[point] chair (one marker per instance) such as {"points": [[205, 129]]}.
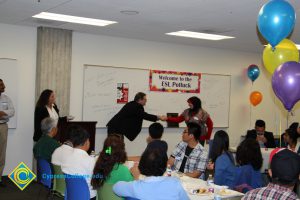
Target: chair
{"points": [[131, 198], [59, 184], [44, 172], [77, 188], [105, 192]]}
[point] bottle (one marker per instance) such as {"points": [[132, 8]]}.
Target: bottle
{"points": [[93, 154], [169, 170], [210, 180]]}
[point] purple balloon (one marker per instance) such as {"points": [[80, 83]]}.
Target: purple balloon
{"points": [[286, 84]]}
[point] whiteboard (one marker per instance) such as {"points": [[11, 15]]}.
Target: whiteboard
{"points": [[9, 75], [100, 95]]}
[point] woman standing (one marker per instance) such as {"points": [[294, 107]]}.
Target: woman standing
{"points": [[195, 113], [45, 107]]}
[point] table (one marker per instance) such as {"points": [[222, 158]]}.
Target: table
{"points": [[189, 184]]}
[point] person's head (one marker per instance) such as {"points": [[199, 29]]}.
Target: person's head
{"points": [[260, 126], [81, 139], [2, 86], [47, 97], [156, 130], [113, 152], [194, 104], [248, 152], [295, 126], [48, 126], [192, 132], [285, 167], [153, 162], [72, 132], [291, 136], [141, 98], [220, 144]]}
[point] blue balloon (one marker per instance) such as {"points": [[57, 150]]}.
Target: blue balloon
{"points": [[276, 20], [253, 72]]}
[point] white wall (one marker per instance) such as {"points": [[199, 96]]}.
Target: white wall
{"points": [[121, 52], [20, 42]]}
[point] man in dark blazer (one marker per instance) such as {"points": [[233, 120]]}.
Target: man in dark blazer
{"points": [[128, 121], [264, 138]]}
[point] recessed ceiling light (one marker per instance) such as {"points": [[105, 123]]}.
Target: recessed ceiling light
{"points": [[198, 35], [297, 45], [73, 19], [129, 12]]}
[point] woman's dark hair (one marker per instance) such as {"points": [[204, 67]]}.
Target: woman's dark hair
{"points": [[113, 152], [197, 105], [293, 135], [153, 162], [294, 126], [44, 98], [248, 152], [220, 144]]}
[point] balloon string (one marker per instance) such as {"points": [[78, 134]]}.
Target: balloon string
{"points": [[280, 130]]}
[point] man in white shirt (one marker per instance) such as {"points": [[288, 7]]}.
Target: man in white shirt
{"points": [[6, 111], [79, 162], [64, 151]]}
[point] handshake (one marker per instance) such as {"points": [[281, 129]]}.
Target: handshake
{"points": [[162, 117]]}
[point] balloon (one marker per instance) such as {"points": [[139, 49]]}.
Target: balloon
{"points": [[253, 72], [286, 84], [285, 51], [276, 20], [255, 98]]}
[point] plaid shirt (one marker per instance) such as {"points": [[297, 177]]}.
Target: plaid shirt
{"points": [[272, 191], [197, 160]]}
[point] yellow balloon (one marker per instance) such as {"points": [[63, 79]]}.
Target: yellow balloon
{"points": [[285, 51]]}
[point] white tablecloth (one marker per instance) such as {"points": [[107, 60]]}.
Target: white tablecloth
{"points": [[190, 184]]}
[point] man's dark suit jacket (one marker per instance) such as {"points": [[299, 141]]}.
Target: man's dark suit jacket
{"points": [[128, 121], [268, 135]]}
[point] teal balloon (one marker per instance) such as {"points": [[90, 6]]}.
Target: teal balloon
{"points": [[253, 72], [276, 20]]}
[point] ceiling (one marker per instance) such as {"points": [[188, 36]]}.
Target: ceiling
{"points": [[156, 17]]}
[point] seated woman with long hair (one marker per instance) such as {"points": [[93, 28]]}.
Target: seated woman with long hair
{"points": [[249, 157], [222, 160], [110, 167], [291, 137]]}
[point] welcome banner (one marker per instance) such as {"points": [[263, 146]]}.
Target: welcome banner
{"points": [[170, 81]]}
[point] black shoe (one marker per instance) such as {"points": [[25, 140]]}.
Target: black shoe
{"points": [[2, 184]]}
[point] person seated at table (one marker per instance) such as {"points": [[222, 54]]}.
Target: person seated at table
{"points": [[249, 159], [291, 137], [61, 153], [79, 162], [46, 145], [189, 156], [264, 138], [222, 161], [110, 168], [155, 186], [284, 171], [156, 131]]}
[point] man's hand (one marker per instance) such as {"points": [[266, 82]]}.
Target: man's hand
{"points": [[162, 117], [2, 114], [261, 138]]}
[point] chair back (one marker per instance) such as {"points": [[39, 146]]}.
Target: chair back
{"points": [[59, 184], [77, 188], [131, 198], [44, 172], [105, 192]]}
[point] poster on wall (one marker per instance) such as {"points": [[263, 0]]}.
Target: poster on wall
{"points": [[122, 93], [171, 81]]}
